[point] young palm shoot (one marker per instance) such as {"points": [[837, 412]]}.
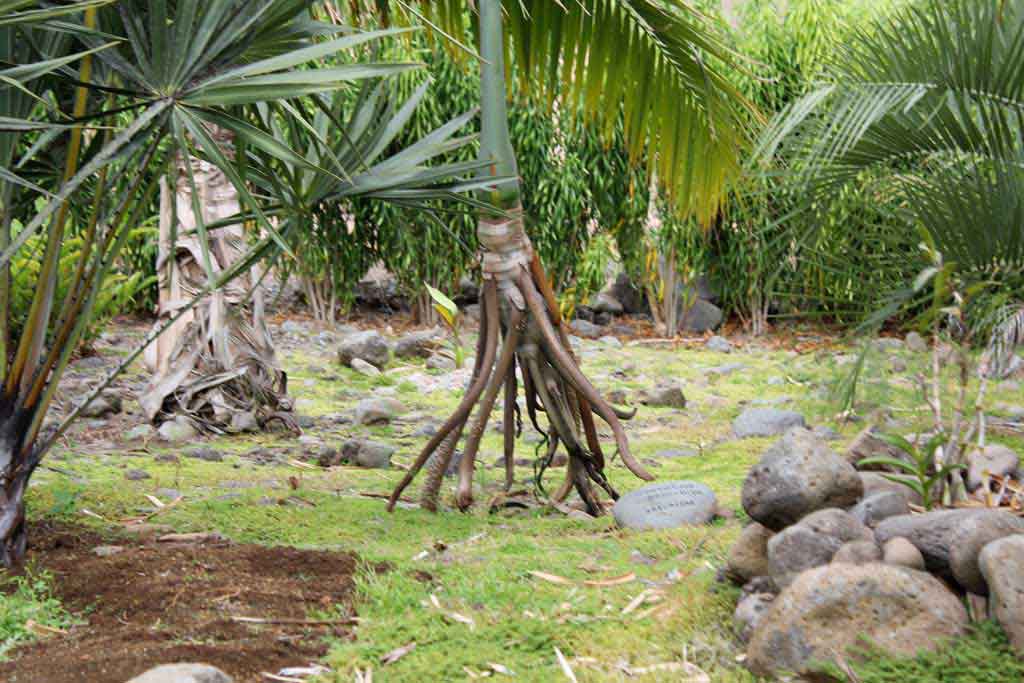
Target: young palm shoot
{"points": [[520, 327]]}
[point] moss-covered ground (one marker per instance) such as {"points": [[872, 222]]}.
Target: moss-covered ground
{"points": [[465, 588]]}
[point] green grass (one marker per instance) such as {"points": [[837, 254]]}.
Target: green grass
{"points": [[461, 585], [27, 607]]}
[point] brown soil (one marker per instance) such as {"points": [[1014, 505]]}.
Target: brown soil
{"points": [[159, 603]]}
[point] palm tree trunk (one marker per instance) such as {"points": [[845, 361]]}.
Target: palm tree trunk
{"points": [[217, 361], [520, 327]]}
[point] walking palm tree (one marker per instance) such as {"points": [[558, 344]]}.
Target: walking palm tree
{"points": [[658, 64]]}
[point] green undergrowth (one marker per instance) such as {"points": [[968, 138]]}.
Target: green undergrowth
{"points": [[486, 592], [28, 609]]}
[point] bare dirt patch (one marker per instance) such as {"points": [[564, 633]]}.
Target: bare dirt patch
{"points": [[157, 603]]}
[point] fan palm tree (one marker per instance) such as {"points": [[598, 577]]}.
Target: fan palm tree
{"points": [[660, 65], [929, 100], [158, 77]]}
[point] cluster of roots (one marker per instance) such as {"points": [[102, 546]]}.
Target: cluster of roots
{"points": [[520, 328]]}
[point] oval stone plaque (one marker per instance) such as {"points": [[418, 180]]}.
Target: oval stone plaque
{"points": [[666, 505]]}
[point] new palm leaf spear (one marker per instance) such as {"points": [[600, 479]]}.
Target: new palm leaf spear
{"points": [[647, 61], [160, 77]]}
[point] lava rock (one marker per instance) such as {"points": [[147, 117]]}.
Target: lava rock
{"points": [[367, 453], [880, 506], [899, 551], [183, 673], [858, 552], [838, 524], [368, 345], [364, 368], [699, 317], [718, 344], [749, 612], [796, 476], [666, 505], [797, 549], [1001, 563], [968, 539], [748, 557], [670, 395], [373, 411], [932, 533], [994, 459], [766, 422], [418, 344], [829, 609]]}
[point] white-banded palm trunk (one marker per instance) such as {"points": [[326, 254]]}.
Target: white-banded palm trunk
{"points": [[216, 364], [520, 327]]}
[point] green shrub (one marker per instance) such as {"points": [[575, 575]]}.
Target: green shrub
{"points": [[27, 600]]}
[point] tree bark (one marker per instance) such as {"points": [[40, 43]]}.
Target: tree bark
{"points": [[216, 364]]}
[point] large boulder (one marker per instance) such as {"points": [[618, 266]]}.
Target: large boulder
{"points": [[700, 316], [880, 506], [858, 552], [632, 298], [877, 483], [605, 302], [933, 532], [183, 673], [827, 610], [967, 541], [369, 345], [900, 551], [1001, 563], [666, 505], [749, 611], [797, 549], [766, 422], [799, 474], [748, 557], [993, 459]]}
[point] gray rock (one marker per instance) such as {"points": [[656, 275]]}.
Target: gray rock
{"points": [[877, 483], [837, 524], [723, 370], [932, 533], [901, 552], [888, 344], [796, 476], [178, 430], [205, 453], [244, 421], [858, 552], [825, 432], [605, 302], [471, 312], [699, 317], [829, 609], [915, 342], [368, 345], [666, 505], [418, 344], [183, 673], [868, 444], [107, 550], [797, 549], [672, 453], [1001, 563], [718, 345], [670, 396], [136, 475], [107, 403], [586, 329], [994, 459], [898, 365], [631, 297], [367, 453], [766, 422], [611, 341], [364, 368], [968, 539], [440, 361], [748, 557], [749, 612], [142, 432], [371, 411], [879, 506]]}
